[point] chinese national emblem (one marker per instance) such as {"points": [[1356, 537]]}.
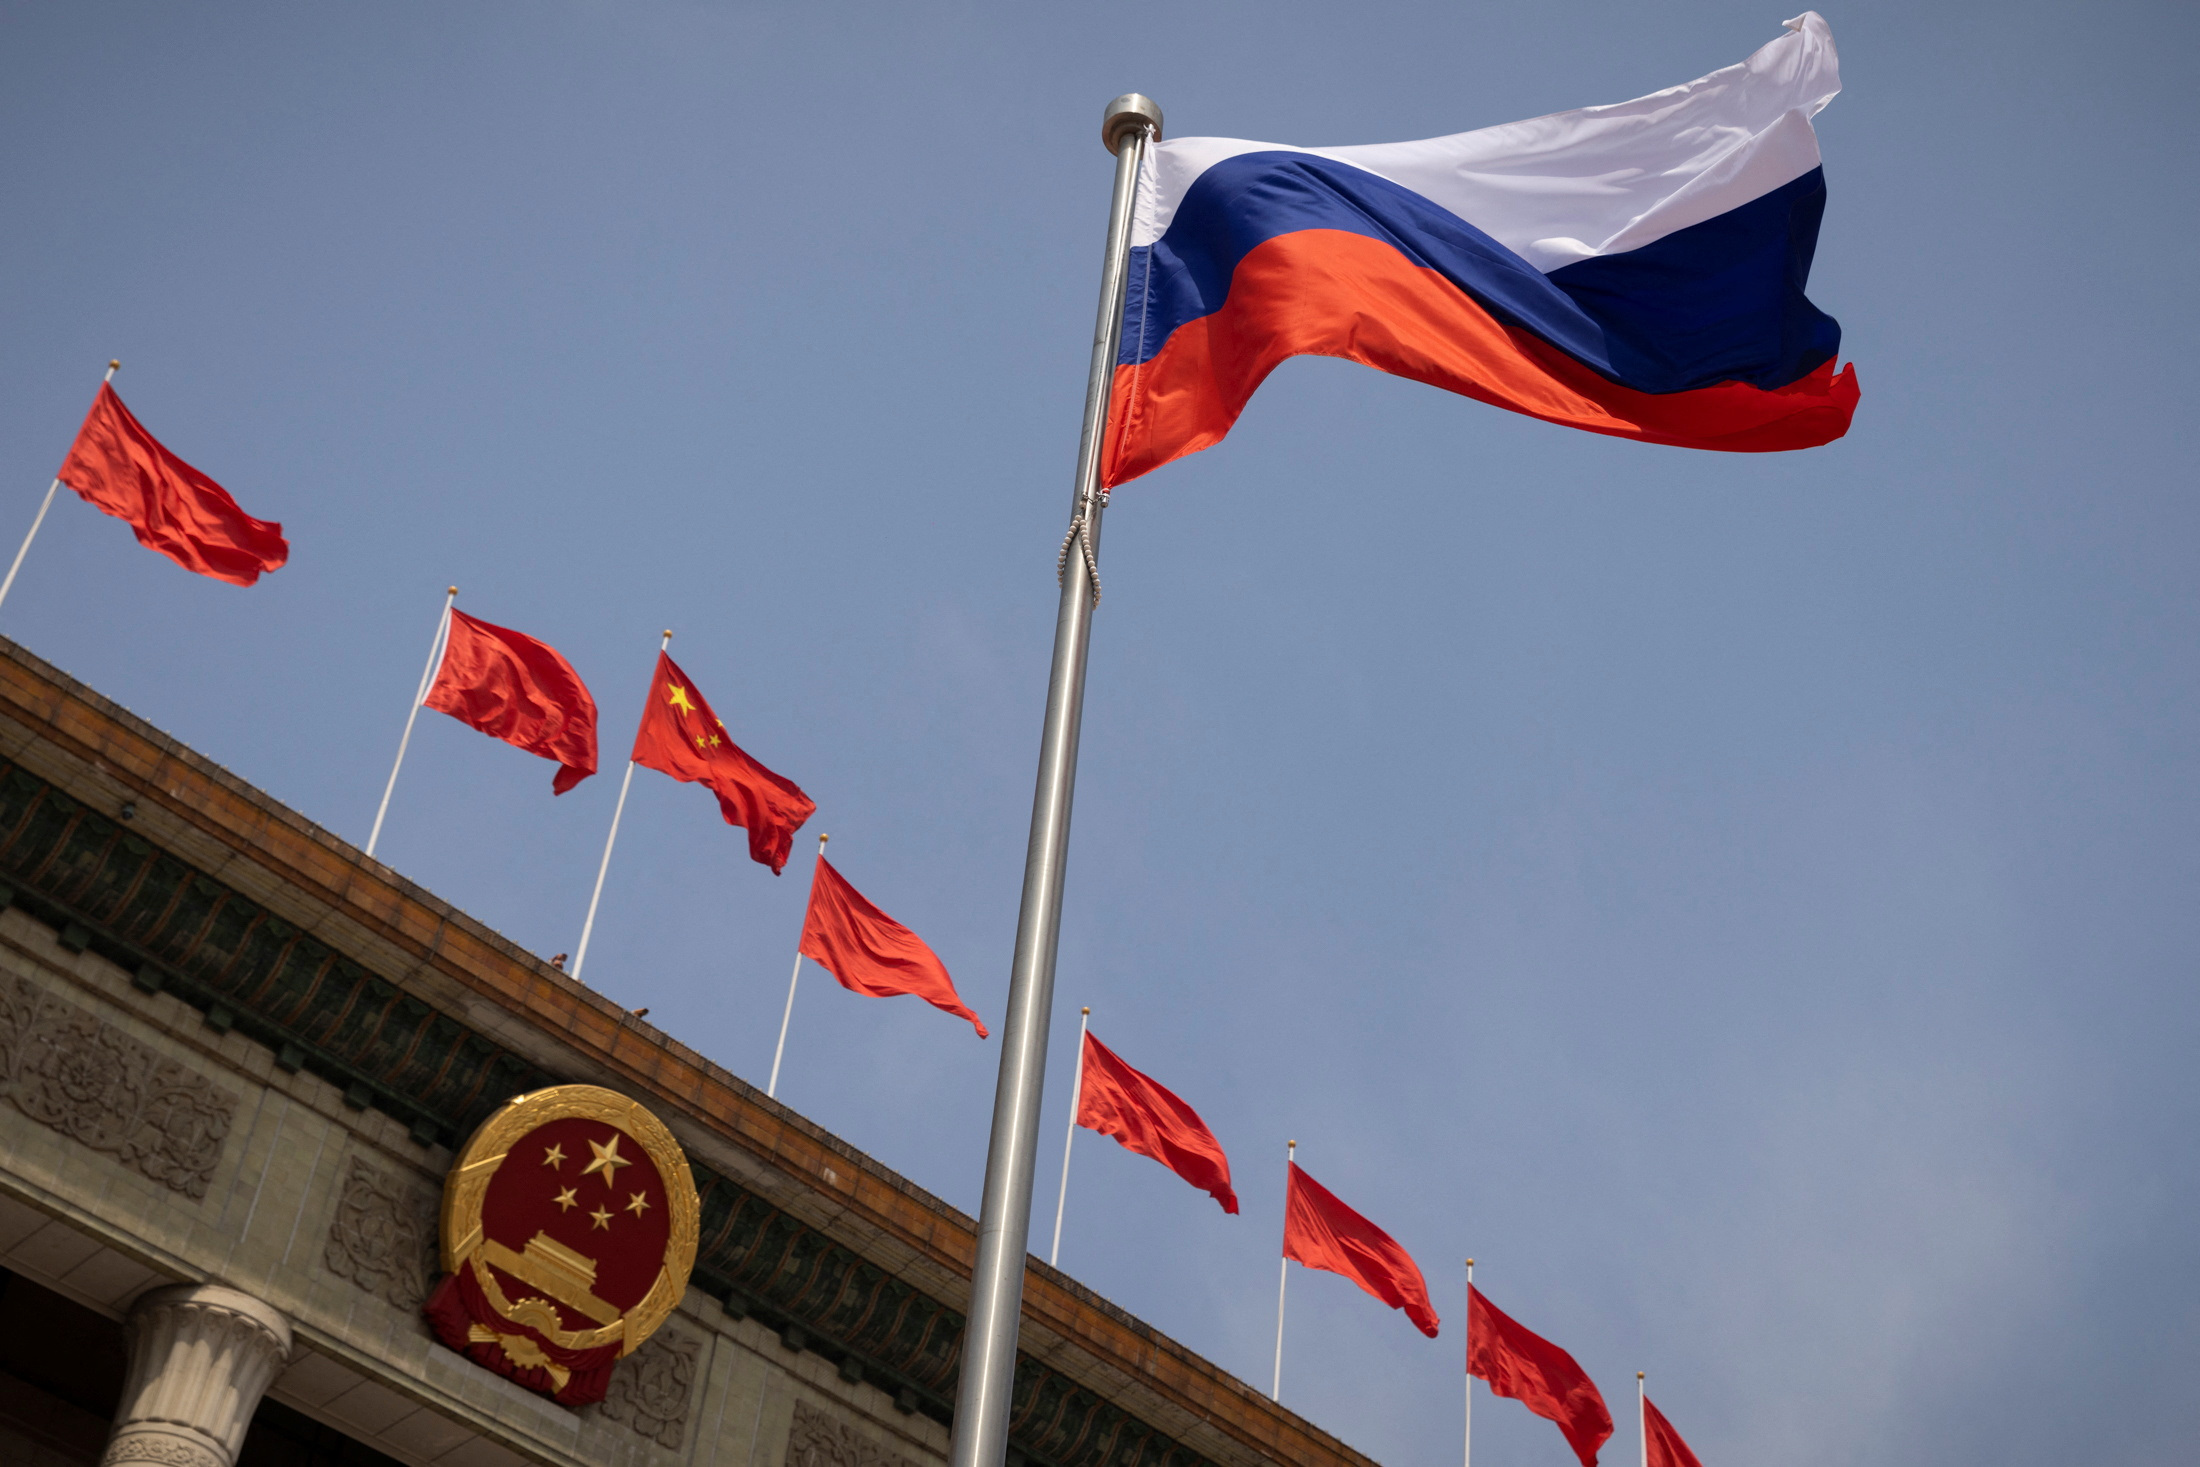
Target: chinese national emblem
{"points": [[569, 1228]]}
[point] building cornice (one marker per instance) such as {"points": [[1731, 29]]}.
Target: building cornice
{"points": [[131, 843]]}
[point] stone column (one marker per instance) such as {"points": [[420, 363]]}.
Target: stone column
{"points": [[200, 1359]]}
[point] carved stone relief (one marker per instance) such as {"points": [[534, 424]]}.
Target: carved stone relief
{"points": [[383, 1235], [652, 1389], [820, 1439], [87, 1079]]}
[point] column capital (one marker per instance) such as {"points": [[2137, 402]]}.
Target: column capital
{"points": [[201, 1356]]}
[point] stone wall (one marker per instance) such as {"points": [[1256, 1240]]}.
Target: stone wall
{"points": [[140, 1146]]}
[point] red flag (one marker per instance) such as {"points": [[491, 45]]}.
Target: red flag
{"points": [[681, 737], [1661, 1444], [517, 689], [1523, 1365], [1321, 1232], [122, 470], [1118, 1101], [871, 953]]}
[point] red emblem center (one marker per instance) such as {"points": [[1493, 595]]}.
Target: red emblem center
{"points": [[576, 1215]]}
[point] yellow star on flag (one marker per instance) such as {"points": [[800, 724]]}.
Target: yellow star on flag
{"points": [[677, 696]]}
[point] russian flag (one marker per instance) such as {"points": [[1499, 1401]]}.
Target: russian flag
{"points": [[1636, 269]]}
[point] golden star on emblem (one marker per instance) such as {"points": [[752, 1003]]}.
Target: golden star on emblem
{"points": [[603, 1219], [677, 696], [608, 1161], [554, 1157], [639, 1205], [565, 1200]]}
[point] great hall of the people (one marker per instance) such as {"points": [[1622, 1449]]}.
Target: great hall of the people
{"points": [[238, 1061]]}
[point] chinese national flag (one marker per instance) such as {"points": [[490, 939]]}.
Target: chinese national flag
{"points": [[869, 952], [517, 689], [1321, 1232], [1147, 1118], [120, 469], [1519, 1363], [1661, 1444], [681, 737]]}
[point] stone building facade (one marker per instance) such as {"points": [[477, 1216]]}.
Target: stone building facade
{"points": [[235, 1056]]}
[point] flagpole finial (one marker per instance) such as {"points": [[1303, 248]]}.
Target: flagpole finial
{"points": [[1131, 112], [453, 590], [1639, 1375], [114, 364], [1086, 1010]]}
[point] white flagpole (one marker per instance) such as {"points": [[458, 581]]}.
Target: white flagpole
{"points": [[1466, 1457], [436, 645], [1076, 1093], [51, 490], [1283, 1272], [580, 954], [771, 1091], [1642, 1417]]}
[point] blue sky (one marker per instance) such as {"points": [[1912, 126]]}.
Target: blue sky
{"points": [[1746, 902]]}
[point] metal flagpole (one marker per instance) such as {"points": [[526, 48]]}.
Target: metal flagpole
{"points": [[1642, 1417], [771, 1091], [436, 644], [1283, 1274], [1004, 1214], [1466, 1457], [1076, 1093], [580, 954], [51, 490]]}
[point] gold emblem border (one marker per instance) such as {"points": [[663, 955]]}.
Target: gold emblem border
{"points": [[485, 1151]]}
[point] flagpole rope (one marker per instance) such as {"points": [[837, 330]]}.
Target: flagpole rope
{"points": [[1082, 541]]}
